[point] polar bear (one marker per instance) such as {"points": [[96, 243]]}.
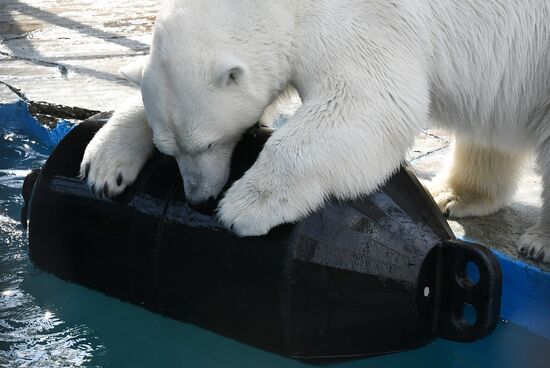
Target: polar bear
{"points": [[370, 74]]}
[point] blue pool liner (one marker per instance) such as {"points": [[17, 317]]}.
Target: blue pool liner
{"points": [[15, 117], [525, 295]]}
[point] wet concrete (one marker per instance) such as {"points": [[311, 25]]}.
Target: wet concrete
{"points": [[67, 53]]}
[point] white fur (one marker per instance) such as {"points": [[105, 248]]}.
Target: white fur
{"points": [[480, 180], [370, 74], [118, 150]]}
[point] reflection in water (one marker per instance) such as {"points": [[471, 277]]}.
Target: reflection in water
{"points": [[17, 151], [31, 334]]}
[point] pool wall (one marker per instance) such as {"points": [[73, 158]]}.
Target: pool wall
{"points": [[525, 295]]}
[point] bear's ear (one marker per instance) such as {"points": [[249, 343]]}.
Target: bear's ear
{"points": [[133, 72], [229, 73]]}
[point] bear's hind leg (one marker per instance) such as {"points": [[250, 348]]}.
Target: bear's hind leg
{"points": [[535, 243], [479, 180]]}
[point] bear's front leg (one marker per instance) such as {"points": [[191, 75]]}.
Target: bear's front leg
{"points": [[325, 150], [118, 151]]}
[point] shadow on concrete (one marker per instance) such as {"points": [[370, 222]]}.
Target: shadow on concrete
{"points": [[501, 230], [52, 18], [35, 57]]}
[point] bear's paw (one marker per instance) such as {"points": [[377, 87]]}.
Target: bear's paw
{"points": [[535, 244], [109, 166]]}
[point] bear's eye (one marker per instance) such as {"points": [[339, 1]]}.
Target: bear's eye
{"points": [[209, 146], [232, 77]]}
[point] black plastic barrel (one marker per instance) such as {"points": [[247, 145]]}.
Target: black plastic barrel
{"points": [[376, 275]]}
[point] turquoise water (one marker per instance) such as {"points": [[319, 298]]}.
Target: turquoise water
{"points": [[47, 322]]}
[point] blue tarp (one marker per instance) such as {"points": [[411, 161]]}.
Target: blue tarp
{"points": [[15, 117]]}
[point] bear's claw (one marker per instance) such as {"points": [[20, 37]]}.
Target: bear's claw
{"points": [[86, 171]]}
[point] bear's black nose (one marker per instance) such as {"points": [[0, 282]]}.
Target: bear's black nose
{"points": [[207, 207]]}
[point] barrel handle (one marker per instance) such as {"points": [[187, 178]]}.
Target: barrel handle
{"points": [[470, 303]]}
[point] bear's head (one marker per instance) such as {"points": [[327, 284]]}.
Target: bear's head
{"points": [[214, 67]]}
